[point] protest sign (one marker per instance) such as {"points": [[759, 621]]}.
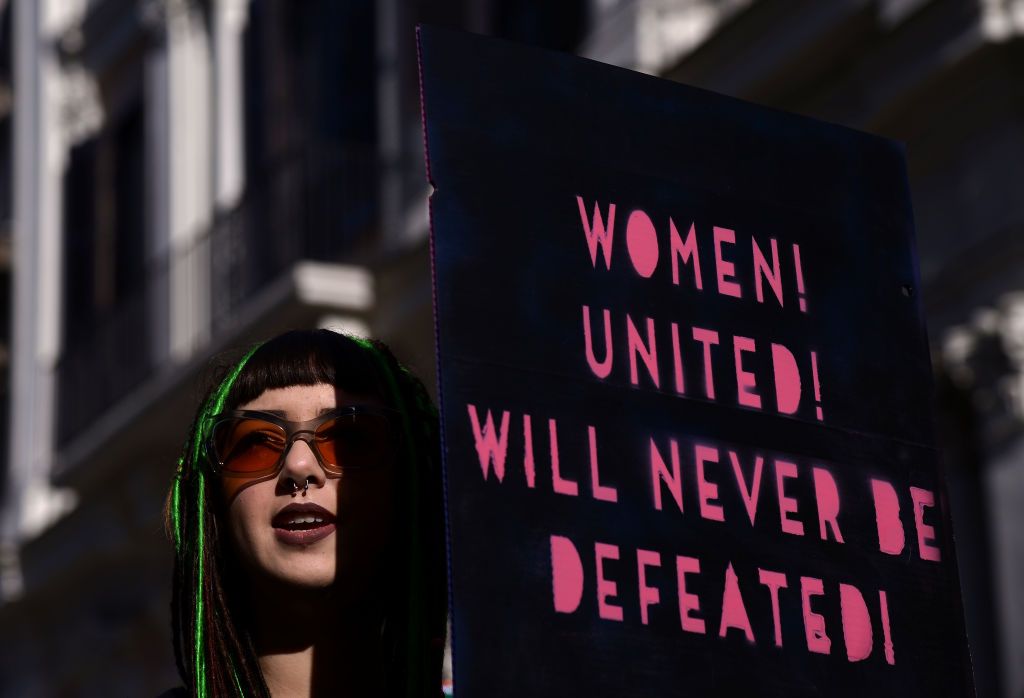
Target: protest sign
{"points": [[685, 392]]}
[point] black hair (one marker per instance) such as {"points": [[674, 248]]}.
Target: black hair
{"points": [[213, 650]]}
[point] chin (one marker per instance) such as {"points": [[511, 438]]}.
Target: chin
{"points": [[304, 567], [310, 581], [313, 576]]}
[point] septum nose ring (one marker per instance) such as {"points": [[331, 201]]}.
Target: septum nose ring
{"points": [[295, 485]]}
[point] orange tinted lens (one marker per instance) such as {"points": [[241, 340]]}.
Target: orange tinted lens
{"points": [[248, 445], [354, 440]]}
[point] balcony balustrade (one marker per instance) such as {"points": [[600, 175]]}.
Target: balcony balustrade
{"points": [[320, 204]]}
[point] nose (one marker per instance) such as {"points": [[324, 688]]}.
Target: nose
{"points": [[300, 466]]}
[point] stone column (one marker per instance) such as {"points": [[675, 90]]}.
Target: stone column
{"points": [[229, 21], [389, 116], [985, 359], [30, 504], [179, 145]]}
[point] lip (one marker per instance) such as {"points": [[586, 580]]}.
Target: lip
{"points": [[305, 536]]}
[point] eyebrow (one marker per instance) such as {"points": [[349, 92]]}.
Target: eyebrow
{"points": [[283, 415]]}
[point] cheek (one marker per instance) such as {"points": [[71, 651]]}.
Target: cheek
{"points": [[371, 503], [245, 514], [370, 527]]}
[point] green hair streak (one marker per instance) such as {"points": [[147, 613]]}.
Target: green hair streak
{"points": [[213, 406], [176, 506]]}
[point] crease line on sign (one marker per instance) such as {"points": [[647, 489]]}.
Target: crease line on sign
{"points": [[445, 504], [423, 108], [695, 399]]}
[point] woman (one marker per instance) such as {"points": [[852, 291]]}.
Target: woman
{"points": [[308, 531]]}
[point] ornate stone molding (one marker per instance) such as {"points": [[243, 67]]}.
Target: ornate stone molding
{"points": [[79, 104], [985, 358], [651, 35], [1002, 20]]}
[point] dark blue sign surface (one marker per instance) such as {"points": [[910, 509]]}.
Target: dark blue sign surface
{"points": [[685, 392]]}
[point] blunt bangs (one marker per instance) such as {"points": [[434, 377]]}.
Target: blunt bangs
{"points": [[308, 357]]}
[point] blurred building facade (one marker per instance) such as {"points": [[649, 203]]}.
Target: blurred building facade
{"points": [[180, 177]]}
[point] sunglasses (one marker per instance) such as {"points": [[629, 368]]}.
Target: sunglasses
{"points": [[253, 444]]}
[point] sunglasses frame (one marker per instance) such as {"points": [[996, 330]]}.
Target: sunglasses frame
{"points": [[294, 431]]}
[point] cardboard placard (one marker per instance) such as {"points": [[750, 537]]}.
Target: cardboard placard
{"points": [[685, 392]]}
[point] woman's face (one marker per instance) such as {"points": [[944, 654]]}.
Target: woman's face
{"points": [[276, 540]]}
